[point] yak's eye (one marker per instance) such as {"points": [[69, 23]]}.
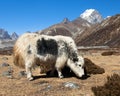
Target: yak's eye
{"points": [[79, 65]]}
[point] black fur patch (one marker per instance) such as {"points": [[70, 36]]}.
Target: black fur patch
{"points": [[75, 59], [47, 47], [73, 56], [29, 52]]}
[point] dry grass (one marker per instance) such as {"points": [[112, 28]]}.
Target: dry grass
{"points": [[53, 86]]}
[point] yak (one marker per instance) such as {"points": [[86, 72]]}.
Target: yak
{"points": [[49, 52]]}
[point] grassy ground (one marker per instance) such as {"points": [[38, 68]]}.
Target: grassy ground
{"points": [[53, 86]]}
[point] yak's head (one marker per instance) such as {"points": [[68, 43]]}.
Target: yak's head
{"points": [[77, 66]]}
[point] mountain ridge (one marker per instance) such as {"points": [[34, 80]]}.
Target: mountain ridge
{"points": [[71, 28], [4, 35], [104, 32], [7, 40]]}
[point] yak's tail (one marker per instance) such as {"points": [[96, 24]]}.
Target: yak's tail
{"points": [[18, 59]]}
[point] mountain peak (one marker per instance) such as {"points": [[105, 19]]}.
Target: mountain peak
{"points": [[65, 20], [92, 16], [14, 36], [4, 34], [87, 12]]}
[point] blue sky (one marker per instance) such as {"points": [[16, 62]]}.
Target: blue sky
{"points": [[32, 15]]}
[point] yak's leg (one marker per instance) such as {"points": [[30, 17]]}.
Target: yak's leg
{"points": [[59, 70], [29, 71], [59, 65]]}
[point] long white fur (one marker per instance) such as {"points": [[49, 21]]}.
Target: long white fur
{"points": [[27, 42]]}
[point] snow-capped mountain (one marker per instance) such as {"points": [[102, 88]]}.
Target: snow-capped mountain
{"points": [[14, 36], [73, 27], [92, 16]]}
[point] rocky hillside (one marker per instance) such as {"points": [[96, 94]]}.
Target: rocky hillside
{"points": [[107, 33], [67, 28], [90, 29], [77, 26]]}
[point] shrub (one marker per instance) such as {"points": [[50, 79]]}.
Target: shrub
{"points": [[91, 68], [108, 53], [110, 88]]}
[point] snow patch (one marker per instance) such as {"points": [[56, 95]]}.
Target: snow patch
{"points": [[92, 16]]}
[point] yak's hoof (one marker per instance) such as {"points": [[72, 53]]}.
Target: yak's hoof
{"points": [[61, 76], [30, 78]]}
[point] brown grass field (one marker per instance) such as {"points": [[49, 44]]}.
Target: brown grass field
{"points": [[53, 86]]}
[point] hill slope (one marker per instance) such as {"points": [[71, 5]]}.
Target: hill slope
{"points": [[106, 33]]}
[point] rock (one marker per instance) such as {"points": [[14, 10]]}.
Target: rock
{"points": [[22, 74], [7, 74], [4, 58], [4, 65], [71, 85], [10, 69], [48, 88]]}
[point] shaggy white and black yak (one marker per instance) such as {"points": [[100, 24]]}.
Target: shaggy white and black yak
{"points": [[49, 52]]}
